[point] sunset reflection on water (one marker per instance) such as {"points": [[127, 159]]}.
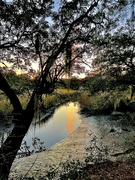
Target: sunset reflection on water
{"points": [[62, 123], [71, 115]]}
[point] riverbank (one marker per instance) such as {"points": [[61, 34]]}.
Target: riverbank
{"points": [[91, 142], [72, 148]]}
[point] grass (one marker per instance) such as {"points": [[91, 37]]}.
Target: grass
{"points": [[65, 91], [49, 100], [24, 98], [5, 105], [104, 101], [95, 104]]}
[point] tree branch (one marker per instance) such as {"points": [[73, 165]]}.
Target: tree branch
{"points": [[52, 58], [4, 86]]}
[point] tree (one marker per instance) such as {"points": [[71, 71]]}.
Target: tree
{"points": [[26, 36], [115, 51]]}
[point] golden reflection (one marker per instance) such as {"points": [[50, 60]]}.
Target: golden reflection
{"points": [[70, 125], [71, 118]]}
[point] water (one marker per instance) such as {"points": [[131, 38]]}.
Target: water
{"points": [[64, 121], [114, 132]]}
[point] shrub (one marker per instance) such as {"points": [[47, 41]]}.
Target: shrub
{"points": [[97, 104]]}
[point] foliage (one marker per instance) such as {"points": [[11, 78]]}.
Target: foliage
{"points": [[104, 102], [32, 31], [116, 54], [75, 83], [26, 151], [99, 83], [84, 99], [97, 153], [21, 21], [97, 104], [23, 99], [60, 84], [127, 120], [5, 106], [74, 169], [49, 100], [68, 170], [20, 83], [66, 91]]}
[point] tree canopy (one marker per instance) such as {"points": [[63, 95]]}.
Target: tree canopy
{"points": [[57, 40], [115, 50], [34, 31]]}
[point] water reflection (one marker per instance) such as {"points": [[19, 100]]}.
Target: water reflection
{"points": [[63, 122], [59, 126], [71, 115]]}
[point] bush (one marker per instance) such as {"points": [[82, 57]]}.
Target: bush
{"points": [[96, 104]]}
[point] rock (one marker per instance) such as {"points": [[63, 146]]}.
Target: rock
{"points": [[125, 129], [112, 130], [117, 113]]}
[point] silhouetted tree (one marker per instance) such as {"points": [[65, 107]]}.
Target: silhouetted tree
{"points": [[115, 50], [31, 31]]}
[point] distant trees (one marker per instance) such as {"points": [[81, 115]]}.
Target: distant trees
{"points": [[19, 83], [32, 31], [115, 55]]}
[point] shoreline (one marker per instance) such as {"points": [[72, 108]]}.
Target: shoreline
{"points": [[91, 141], [71, 148]]}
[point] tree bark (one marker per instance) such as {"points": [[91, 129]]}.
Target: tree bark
{"points": [[4, 86], [10, 147]]}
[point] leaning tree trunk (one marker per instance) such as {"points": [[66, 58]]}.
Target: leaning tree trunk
{"points": [[10, 147], [23, 119]]}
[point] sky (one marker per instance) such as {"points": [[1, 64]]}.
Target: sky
{"points": [[56, 4], [35, 66], [124, 15]]}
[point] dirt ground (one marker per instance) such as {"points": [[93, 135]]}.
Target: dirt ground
{"points": [[111, 171]]}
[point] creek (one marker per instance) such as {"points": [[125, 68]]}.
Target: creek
{"points": [[114, 132], [43, 133], [60, 125]]}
